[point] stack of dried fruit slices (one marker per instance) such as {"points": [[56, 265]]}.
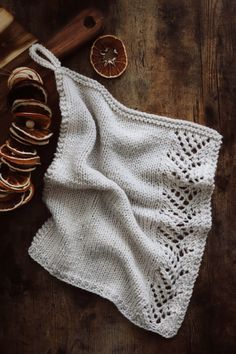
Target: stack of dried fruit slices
{"points": [[27, 99]]}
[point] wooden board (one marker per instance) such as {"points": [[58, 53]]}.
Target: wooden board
{"points": [[182, 64], [15, 41]]}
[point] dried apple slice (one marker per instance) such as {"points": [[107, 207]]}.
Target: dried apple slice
{"points": [[19, 149], [23, 73], [27, 89], [108, 56]]}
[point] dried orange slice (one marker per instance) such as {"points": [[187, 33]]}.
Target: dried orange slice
{"points": [[32, 136], [21, 160], [7, 195], [23, 73], [28, 195], [18, 139], [32, 106], [19, 149], [32, 120], [13, 181], [7, 189], [27, 89], [15, 167], [108, 56], [12, 201], [18, 163]]}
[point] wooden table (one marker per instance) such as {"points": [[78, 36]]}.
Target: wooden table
{"points": [[181, 64]]}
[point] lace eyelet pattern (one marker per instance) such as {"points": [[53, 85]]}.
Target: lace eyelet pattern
{"points": [[130, 199]]}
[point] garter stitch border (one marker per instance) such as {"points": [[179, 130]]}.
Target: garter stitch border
{"points": [[127, 112], [123, 110]]}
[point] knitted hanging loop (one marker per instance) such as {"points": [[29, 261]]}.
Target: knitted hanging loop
{"points": [[130, 201], [48, 60]]}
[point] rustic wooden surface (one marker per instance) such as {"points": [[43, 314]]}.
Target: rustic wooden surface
{"points": [[15, 41], [181, 64]]}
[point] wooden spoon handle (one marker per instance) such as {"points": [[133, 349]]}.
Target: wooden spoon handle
{"points": [[81, 29]]}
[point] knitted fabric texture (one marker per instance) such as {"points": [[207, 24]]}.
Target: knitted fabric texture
{"points": [[130, 200]]}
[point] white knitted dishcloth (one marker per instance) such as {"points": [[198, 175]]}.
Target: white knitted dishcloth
{"points": [[130, 201]]}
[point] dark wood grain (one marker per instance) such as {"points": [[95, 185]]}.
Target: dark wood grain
{"points": [[15, 42], [181, 64], [81, 29]]}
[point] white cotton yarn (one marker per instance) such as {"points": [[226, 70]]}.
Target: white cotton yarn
{"points": [[130, 201]]}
